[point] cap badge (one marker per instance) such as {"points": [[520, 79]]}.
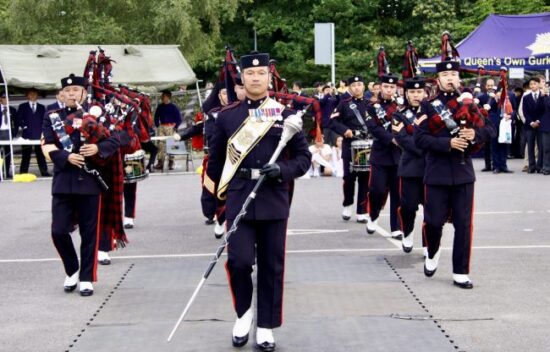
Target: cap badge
{"points": [[356, 79], [255, 62], [449, 65], [416, 85], [69, 81], [390, 80]]}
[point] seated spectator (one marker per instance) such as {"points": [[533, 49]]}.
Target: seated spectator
{"points": [[337, 161], [321, 157]]}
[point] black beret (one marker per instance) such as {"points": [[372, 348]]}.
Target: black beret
{"points": [[254, 60], [73, 80], [415, 83], [389, 78], [447, 66], [356, 78]]}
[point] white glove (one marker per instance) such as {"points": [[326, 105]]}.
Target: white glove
{"points": [[176, 137], [487, 107]]}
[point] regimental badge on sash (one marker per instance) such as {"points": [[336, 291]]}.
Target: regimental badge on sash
{"points": [[252, 130]]}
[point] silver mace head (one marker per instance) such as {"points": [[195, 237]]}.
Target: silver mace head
{"points": [[292, 125]]}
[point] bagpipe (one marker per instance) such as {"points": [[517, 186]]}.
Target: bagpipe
{"points": [[410, 66], [382, 62]]}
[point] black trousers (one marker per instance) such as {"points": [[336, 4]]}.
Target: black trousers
{"points": [[411, 195], [26, 152], [152, 149], [208, 204], [458, 202], [532, 137], [130, 190], [362, 179], [545, 151], [487, 154], [64, 208], [265, 241], [383, 179]]}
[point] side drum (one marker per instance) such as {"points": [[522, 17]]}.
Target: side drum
{"points": [[134, 167], [360, 154]]}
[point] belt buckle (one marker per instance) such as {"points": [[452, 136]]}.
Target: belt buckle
{"points": [[254, 174]]}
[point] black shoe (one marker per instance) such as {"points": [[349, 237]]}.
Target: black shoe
{"points": [[240, 341], [531, 171], [496, 171], [546, 173], [266, 346], [364, 221], [209, 221], [465, 285], [105, 262], [397, 237], [429, 273], [69, 289], [86, 293], [406, 249], [539, 171], [46, 174], [128, 226], [486, 169], [507, 171]]}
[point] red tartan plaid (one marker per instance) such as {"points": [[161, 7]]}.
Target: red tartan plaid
{"points": [[111, 204]]}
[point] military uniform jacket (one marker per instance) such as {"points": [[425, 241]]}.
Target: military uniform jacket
{"points": [[273, 199], [343, 118], [412, 162], [443, 165], [384, 152], [67, 178]]}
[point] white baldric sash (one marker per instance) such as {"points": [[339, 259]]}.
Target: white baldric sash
{"points": [[252, 130]]}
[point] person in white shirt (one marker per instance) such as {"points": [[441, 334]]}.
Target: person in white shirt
{"points": [[337, 161], [321, 156]]}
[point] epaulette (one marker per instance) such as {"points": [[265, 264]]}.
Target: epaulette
{"points": [[347, 99], [230, 106]]}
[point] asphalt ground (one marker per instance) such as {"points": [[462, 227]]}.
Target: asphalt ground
{"points": [[344, 290]]}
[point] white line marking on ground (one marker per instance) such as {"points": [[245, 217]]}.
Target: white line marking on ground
{"points": [[387, 236], [299, 251], [299, 232]]}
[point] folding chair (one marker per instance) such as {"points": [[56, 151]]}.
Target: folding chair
{"points": [[174, 148]]}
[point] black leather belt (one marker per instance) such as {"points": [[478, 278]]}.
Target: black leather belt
{"points": [[248, 174]]}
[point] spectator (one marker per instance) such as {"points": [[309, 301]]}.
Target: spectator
{"points": [[328, 103], [488, 97], [532, 113], [518, 142], [30, 115], [319, 88], [167, 120], [321, 157], [297, 89], [342, 87], [368, 93], [499, 150], [337, 161], [375, 92], [545, 129], [59, 103], [5, 127]]}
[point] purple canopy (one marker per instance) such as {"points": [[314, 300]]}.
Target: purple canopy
{"points": [[505, 40]]}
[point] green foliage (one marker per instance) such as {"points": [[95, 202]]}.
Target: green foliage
{"points": [[284, 28]]}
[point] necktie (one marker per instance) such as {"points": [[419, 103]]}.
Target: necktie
{"points": [[4, 116], [536, 96], [33, 107]]}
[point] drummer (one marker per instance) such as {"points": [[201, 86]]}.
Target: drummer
{"points": [[349, 121]]}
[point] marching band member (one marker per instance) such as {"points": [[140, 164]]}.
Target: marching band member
{"points": [[384, 157], [349, 121], [245, 137], [75, 193], [449, 136], [412, 163]]}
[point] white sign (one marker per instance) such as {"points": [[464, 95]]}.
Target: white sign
{"points": [[516, 72], [323, 43]]}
